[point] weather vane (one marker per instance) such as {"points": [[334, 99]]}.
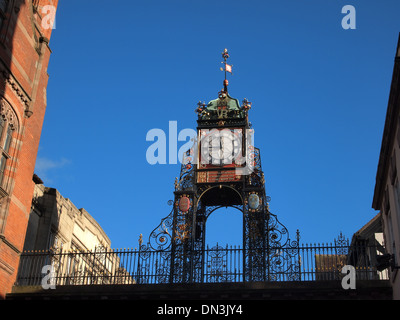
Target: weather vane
{"points": [[228, 68]]}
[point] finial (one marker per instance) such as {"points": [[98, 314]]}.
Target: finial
{"points": [[228, 68], [200, 107], [246, 104], [140, 240], [225, 54]]}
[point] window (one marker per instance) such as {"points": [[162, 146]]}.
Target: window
{"points": [[5, 146], [7, 128], [391, 242], [3, 10], [3, 5], [55, 241], [5, 140]]}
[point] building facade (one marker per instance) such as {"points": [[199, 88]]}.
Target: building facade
{"points": [[75, 246], [367, 244], [25, 29], [56, 223], [386, 197]]}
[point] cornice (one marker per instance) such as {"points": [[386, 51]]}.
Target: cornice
{"points": [[388, 138]]}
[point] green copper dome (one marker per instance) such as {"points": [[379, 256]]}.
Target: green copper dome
{"points": [[224, 100]]}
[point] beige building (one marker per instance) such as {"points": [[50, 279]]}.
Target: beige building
{"points": [[366, 245], [56, 223], [70, 241], [387, 188]]}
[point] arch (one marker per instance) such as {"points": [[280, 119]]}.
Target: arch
{"points": [[219, 207], [9, 137], [211, 199], [223, 226], [9, 114], [222, 199]]}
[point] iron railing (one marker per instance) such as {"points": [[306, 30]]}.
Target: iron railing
{"points": [[220, 264]]}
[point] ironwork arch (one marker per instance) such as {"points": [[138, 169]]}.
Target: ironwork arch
{"points": [[239, 194], [267, 250], [219, 207]]}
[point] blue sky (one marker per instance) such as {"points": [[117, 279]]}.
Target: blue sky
{"points": [[319, 94]]}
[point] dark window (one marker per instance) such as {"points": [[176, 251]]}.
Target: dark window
{"points": [[3, 161], [7, 139], [5, 142], [3, 10]]}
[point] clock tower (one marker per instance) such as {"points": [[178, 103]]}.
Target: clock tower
{"points": [[223, 168]]}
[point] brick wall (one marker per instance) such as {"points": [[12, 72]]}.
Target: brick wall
{"points": [[24, 57]]}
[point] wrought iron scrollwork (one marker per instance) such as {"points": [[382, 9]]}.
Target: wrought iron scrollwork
{"points": [[341, 244], [186, 178], [216, 265], [283, 253], [161, 237], [163, 268], [255, 178]]}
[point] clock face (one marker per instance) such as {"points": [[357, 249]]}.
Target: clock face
{"points": [[220, 147]]}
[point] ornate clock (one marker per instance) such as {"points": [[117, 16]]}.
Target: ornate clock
{"points": [[223, 170], [220, 153], [220, 147]]}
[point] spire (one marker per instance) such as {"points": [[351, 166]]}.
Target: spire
{"points": [[228, 68]]}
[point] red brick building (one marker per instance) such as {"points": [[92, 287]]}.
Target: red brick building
{"points": [[25, 29]]}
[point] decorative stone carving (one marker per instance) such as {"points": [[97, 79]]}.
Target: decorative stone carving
{"points": [[8, 114], [15, 86]]}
